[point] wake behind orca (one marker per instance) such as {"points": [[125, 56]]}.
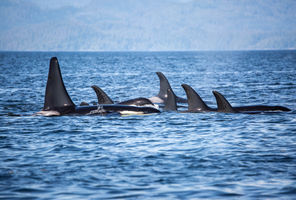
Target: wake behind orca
{"points": [[58, 102]]}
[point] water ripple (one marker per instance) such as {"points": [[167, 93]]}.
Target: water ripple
{"points": [[165, 156]]}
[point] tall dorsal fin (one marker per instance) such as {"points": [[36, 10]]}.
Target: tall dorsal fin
{"points": [[103, 98], [56, 95], [195, 103], [170, 103], [223, 104], [164, 85]]}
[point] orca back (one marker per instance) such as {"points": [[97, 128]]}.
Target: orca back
{"points": [[140, 101], [261, 108]]}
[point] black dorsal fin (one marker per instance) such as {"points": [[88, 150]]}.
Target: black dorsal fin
{"points": [[164, 85], [223, 104], [195, 103], [103, 98], [56, 95], [170, 103]]}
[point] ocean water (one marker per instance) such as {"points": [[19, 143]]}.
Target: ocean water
{"points": [[169, 155]]}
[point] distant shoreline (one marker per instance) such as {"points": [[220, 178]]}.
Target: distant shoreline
{"points": [[140, 51]]}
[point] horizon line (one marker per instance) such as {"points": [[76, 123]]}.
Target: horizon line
{"points": [[98, 51]]}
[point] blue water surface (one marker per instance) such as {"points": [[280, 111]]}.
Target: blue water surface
{"points": [[160, 156]]}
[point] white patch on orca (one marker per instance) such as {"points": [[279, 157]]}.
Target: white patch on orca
{"points": [[127, 112], [48, 113], [156, 99], [147, 105], [152, 106]]}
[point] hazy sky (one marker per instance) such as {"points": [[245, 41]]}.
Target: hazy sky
{"points": [[147, 25]]}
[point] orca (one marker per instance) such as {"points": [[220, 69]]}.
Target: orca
{"points": [[225, 106], [169, 105], [162, 95], [58, 102], [103, 98], [196, 104]]}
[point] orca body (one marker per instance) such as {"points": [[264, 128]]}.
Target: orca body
{"points": [[114, 108], [99, 110], [164, 85], [58, 102], [196, 104], [103, 98], [261, 108], [225, 106], [137, 102]]}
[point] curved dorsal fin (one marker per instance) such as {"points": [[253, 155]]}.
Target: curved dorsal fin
{"points": [[103, 98], [164, 85], [223, 104], [195, 103], [170, 103], [56, 95]]}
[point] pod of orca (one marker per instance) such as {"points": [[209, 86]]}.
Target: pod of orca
{"points": [[58, 102]]}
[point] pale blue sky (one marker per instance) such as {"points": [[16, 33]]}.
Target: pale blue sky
{"points": [[147, 25]]}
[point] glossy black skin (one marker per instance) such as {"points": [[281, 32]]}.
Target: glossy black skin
{"points": [[56, 95], [164, 85], [58, 99], [137, 101], [103, 99], [261, 108], [224, 106], [111, 108], [103, 109], [196, 104]]}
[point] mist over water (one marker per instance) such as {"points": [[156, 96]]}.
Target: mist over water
{"points": [[160, 156], [147, 25]]}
